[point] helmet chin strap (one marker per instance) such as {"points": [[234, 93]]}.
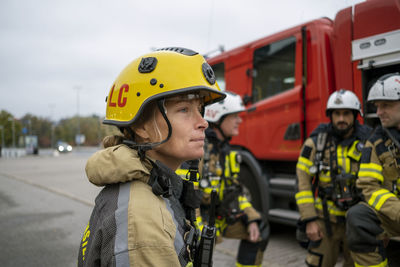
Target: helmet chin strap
{"points": [[218, 126], [142, 148]]}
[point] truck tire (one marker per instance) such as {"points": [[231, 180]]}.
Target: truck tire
{"points": [[250, 187], [254, 180]]}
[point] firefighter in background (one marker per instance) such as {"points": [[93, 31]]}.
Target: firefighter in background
{"points": [[219, 170], [372, 222], [326, 171], [139, 218]]}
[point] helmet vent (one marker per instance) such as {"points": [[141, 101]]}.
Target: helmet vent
{"points": [[183, 51], [208, 73], [147, 64]]}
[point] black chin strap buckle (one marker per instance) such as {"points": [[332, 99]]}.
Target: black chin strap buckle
{"points": [[159, 182]]}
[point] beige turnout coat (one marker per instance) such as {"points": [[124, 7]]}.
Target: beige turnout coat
{"points": [[130, 225]]}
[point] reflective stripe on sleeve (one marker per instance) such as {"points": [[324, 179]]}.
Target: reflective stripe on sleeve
{"points": [[372, 170], [304, 197], [379, 197], [304, 164], [243, 202]]}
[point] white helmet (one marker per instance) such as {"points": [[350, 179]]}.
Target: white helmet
{"points": [[343, 99], [231, 104], [386, 87]]}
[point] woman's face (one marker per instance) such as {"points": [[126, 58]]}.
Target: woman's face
{"points": [[188, 132]]}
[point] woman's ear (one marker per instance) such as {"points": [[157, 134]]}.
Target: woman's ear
{"points": [[142, 132]]}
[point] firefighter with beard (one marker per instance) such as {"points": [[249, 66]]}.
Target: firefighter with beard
{"points": [[219, 170], [372, 222], [326, 173]]}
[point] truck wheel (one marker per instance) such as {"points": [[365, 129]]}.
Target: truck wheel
{"points": [[250, 187]]}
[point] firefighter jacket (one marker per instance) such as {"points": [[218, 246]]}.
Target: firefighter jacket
{"points": [[379, 176], [130, 224], [339, 158], [221, 167]]}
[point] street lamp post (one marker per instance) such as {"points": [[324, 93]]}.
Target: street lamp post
{"points": [[77, 138]]}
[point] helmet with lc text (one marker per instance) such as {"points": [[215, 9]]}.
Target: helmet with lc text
{"points": [[158, 75]]}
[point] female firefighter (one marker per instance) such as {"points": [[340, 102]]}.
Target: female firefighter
{"points": [[219, 169], [139, 218]]}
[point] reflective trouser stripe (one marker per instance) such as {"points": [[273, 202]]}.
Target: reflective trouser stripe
{"points": [[121, 221], [382, 264], [242, 265]]}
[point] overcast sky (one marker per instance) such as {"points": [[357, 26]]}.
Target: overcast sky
{"points": [[53, 52]]}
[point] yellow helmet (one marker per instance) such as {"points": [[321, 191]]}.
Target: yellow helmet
{"points": [[156, 75]]}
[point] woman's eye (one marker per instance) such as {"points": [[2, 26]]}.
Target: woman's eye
{"points": [[183, 109]]}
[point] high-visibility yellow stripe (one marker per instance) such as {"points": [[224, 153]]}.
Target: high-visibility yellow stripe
{"points": [[244, 205], [332, 209], [353, 151], [340, 156], [382, 264], [304, 197], [235, 166], [304, 164], [246, 265], [305, 201], [343, 160], [182, 172], [371, 166], [305, 161], [372, 170], [379, 197], [227, 172], [243, 202], [304, 194], [300, 166], [325, 177]]}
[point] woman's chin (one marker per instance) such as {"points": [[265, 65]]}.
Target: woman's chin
{"points": [[194, 155]]}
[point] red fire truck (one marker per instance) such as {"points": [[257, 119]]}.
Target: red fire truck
{"points": [[285, 80]]}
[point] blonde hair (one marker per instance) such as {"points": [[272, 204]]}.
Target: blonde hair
{"points": [[149, 113]]}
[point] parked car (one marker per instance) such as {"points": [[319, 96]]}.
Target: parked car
{"points": [[63, 147]]}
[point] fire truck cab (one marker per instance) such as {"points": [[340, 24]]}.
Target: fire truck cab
{"points": [[285, 80]]}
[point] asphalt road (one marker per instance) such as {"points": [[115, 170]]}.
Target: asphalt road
{"points": [[45, 204]]}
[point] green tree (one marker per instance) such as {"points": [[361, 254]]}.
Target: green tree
{"points": [[41, 127], [6, 121]]}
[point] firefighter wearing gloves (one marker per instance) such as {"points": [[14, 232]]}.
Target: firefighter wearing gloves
{"points": [[219, 170], [326, 171], [372, 222], [139, 218]]}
